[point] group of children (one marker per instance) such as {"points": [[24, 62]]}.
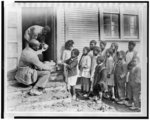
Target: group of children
{"points": [[104, 73]]}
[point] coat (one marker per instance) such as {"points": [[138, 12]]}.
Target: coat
{"points": [[72, 66], [135, 75], [85, 66], [120, 71], [100, 75]]}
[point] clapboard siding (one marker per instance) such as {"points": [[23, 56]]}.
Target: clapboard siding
{"points": [[13, 37], [82, 26]]}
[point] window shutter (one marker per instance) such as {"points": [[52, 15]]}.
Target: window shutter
{"points": [[82, 26]]}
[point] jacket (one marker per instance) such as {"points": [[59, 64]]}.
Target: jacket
{"points": [[72, 66], [100, 74], [135, 75]]}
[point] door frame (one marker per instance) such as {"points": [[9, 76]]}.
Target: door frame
{"points": [[55, 31]]}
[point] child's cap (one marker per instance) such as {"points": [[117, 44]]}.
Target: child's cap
{"points": [[76, 51], [96, 48], [87, 48], [101, 58], [93, 41], [132, 43], [103, 42]]}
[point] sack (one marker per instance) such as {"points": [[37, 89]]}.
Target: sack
{"points": [[26, 75]]}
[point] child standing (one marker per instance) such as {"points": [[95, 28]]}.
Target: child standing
{"points": [[84, 67], [96, 53], [71, 66], [100, 76], [130, 54], [114, 46], [110, 72], [66, 55], [120, 77], [134, 84]]}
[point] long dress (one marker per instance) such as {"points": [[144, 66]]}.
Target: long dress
{"points": [[110, 67]]}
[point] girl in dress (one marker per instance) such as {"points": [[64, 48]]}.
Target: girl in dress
{"points": [[84, 67], [65, 56], [110, 72]]}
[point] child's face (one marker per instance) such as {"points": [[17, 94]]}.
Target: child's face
{"points": [[92, 45], [102, 46], [134, 62], [107, 54], [99, 61], [113, 47], [71, 47], [95, 52], [130, 47], [120, 56], [85, 52], [73, 54]]}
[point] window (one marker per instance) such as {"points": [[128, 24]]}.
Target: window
{"points": [[131, 26], [111, 25]]}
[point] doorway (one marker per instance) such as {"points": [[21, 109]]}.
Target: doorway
{"points": [[42, 16]]}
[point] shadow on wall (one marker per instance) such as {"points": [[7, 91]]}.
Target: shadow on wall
{"points": [[11, 74], [61, 51]]}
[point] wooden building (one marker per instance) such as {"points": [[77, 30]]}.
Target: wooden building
{"points": [[81, 22]]}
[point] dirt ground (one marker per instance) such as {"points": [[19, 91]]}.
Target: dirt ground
{"points": [[56, 99]]}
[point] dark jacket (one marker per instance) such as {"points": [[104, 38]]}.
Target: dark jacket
{"points": [[100, 74], [72, 66]]}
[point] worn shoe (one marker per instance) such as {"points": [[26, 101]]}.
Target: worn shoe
{"points": [[121, 102], [127, 104], [35, 92], [99, 101], [133, 108], [85, 95], [74, 97]]}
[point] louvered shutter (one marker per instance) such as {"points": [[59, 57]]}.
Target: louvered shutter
{"points": [[82, 26]]}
